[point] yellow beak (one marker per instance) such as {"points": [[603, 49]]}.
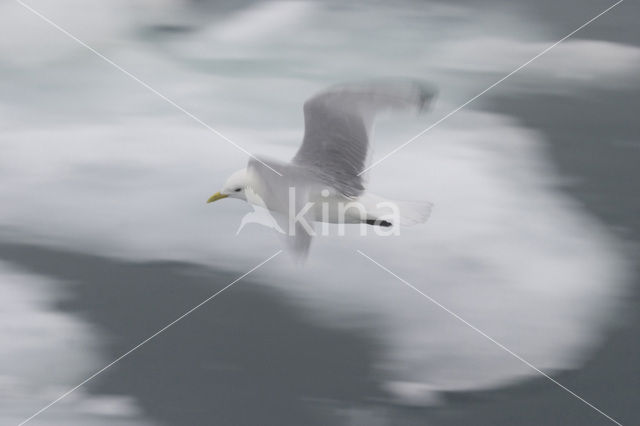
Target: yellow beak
{"points": [[215, 197]]}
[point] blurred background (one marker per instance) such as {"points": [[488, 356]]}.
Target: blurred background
{"points": [[105, 236]]}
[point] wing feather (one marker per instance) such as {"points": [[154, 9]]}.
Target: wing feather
{"points": [[271, 191], [338, 124]]}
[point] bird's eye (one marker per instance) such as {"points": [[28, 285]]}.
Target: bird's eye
{"points": [[238, 189]]}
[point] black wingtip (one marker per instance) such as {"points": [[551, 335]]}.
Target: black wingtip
{"points": [[427, 94], [375, 222]]}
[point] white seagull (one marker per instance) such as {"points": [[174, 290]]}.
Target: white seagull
{"points": [[324, 180]]}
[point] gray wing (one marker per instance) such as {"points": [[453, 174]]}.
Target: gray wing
{"points": [[272, 192], [338, 124]]}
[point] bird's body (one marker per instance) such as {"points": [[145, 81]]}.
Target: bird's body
{"points": [[328, 207], [368, 208], [324, 181], [331, 206]]}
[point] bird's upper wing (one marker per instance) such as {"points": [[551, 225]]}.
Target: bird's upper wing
{"points": [[338, 125]]}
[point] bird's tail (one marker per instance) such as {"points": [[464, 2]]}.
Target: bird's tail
{"points": [[392, 212], [414, 212]]}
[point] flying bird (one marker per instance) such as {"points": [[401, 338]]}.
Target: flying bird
{"points": [[324, 182]]}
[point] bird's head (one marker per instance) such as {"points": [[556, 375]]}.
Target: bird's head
{"points": [[234, 187]]}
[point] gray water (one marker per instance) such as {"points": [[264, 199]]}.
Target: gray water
{"points": [[106, 237]]}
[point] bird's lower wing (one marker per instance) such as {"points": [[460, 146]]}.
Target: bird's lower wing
{"points": [[285, 195]]}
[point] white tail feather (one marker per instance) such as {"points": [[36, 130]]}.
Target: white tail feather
{"points": [[414, 212]]}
